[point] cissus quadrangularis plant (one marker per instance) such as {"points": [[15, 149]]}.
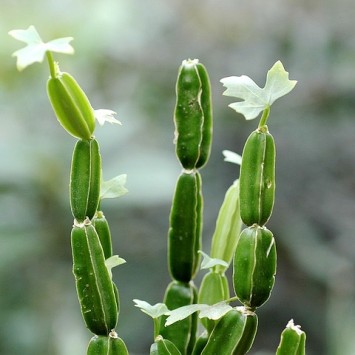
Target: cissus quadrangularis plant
{"points": [[91, 246], [226, 329], [250, 200]]}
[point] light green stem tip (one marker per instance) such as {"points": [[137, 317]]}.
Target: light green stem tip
{"points": [[53, 66], [264, 117], [156, 326]]}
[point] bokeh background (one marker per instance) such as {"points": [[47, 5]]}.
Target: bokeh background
{"points": [[127, 56]]}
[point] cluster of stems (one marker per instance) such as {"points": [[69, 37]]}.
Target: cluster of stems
{"points": [[90, 237], [250, 201], [193, 138], [227, 330]]}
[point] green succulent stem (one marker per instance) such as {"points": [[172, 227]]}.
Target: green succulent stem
{"points": [[264, 117], [52, 66], [156, 326], [232, 299]]}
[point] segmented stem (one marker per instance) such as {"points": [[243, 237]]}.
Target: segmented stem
{"points": [[52, 66], [264, 117]]}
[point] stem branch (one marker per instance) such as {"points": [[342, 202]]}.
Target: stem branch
{"points": [[232, 299], [156, 327], [52, 66], [264, 117]]}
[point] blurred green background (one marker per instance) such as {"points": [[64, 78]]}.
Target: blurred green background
{"points": [[127, 56]]}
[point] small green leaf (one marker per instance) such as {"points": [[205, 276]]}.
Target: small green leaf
{"points": [[215, 311], [154, 311], [60, 45], [183, 312], [208, 262], [36, 49], [277, 83], [112, 262], [232, 157], [29, 36], [104, 115], [114, 188], [256, 99]]}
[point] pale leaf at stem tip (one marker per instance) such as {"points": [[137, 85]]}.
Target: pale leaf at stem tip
{"points": [[154, 311], [36, 49], [208, 262], [114, 187], [183, 312], [232, 157], [256, 99], [112, 262], [104, 115], [214, 312]]}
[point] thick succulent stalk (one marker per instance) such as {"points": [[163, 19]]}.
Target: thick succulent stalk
{"points": [[233, 334], [107, 345], [91, 247], [253, 250], [90, 238], [250, 200], [293, 340], [214, 286], [93, 283], [257, 178], [85, 178], [193, 139]]}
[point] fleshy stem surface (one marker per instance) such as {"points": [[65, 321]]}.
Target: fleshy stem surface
{"points": [[52, 65], [264, 117], [156, 327], [231, 299]]}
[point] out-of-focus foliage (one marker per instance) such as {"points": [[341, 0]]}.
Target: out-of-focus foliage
{"points": [[127, 56]]}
